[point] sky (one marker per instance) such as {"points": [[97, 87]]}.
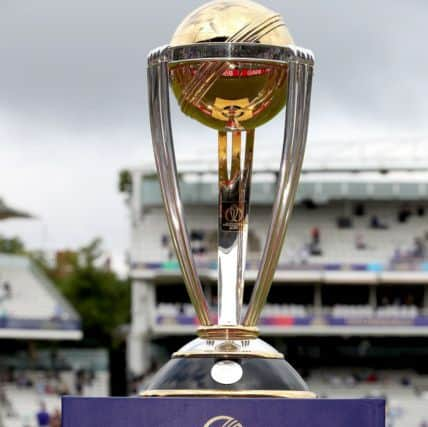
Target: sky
{"points": [[73, 98]]}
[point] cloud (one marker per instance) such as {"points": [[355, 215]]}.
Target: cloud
{"points": [[73, 100], [83, 64]]}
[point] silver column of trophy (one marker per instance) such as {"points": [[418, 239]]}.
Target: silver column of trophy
{"points": [[232, 66]]}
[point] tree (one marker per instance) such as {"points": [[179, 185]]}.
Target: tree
{"points": [[125, 182], [103, 301], [12, 245], [98, 294], [100, 297]]}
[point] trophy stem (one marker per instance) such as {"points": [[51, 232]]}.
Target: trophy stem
{"points": [[233, 207]]}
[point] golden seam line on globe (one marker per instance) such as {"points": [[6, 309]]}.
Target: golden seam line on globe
{"points": [[254, 31], [226, 354], [228, 332], [268, 25], [290, 394]]}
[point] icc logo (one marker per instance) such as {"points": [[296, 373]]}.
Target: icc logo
{"points": [[234, 214], [223, 421]]}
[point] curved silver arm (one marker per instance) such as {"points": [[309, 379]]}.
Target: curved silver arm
{"points": [[296, 128], [160, 122]]}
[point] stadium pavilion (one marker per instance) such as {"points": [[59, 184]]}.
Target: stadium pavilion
{"points": [[32, 314], [30, 306], [351, 288]]}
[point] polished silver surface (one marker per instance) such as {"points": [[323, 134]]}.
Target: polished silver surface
{"points": [[160, 121], [236, 51], [233, 205], [226, 372], [296, 128]]}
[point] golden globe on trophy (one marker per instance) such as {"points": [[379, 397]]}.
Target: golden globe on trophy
{"points": [[232, 66]]}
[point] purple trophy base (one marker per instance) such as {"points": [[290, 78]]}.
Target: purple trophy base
{"points": [[220, 412]]}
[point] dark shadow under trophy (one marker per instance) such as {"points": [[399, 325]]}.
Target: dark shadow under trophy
{"points": [[232, 66]]}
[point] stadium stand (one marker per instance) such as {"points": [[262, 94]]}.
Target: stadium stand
{"points": [[351, 288], [32, 307], [405, 391], [295, 310], [399, 244], [21, 402], [392, 245], [23, 388]]}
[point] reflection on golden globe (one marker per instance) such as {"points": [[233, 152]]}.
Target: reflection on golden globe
{"points": [[231, 94]]}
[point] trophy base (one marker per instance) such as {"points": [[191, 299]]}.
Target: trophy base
{"points": [[249, 368]]}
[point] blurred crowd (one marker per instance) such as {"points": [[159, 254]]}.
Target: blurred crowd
{"points": [[44, 385], [46, 419], [5, 294]]}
